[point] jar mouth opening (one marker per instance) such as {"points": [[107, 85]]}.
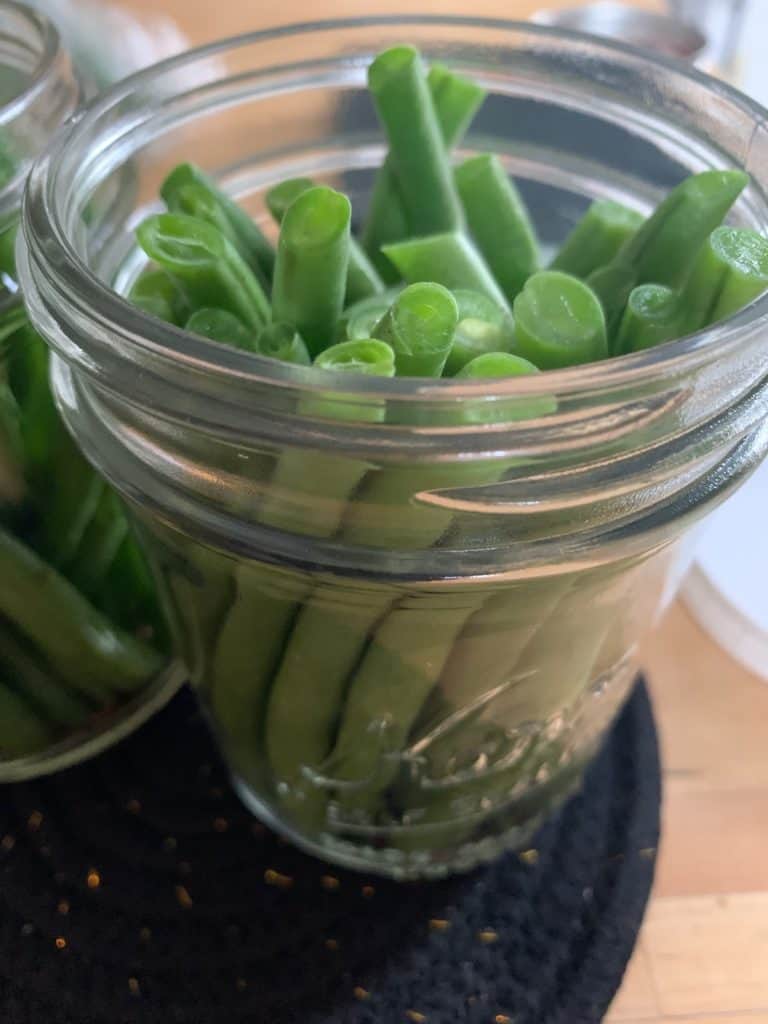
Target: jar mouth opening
{"points": [[38, 39], [174, 348]]}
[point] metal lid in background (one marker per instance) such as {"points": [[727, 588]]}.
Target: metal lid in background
{"points": [[662, 33]]}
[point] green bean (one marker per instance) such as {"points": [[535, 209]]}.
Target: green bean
{"points": [[559, 321], [369, 356], [99, 545], [406, 650], [89, 653], [254, 633], [419, 326], [283, 342], [325, 481], [251, 242], [401, 665], [496, 364], [597, 238], [362, 325], [476, 306], [456, 100], [499, 221], [526, 654], [363, 279], [39, 686], [366, 312], [41, 427], [201, 586], [397, 82], [311, 265], [474, 338], [22, 731], [654, 314], [325, 645], [483, 327], [282, 195], [249, 644], [449, 259], [129, 596], [730, 271], [222, 326], [213, 271], [159, 294], [664, 248], [65, 510]]}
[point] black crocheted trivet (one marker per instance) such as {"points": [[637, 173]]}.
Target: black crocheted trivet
{"points": [[136, 890]]}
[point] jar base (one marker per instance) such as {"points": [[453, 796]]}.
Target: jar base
{"points": [[402, 865]]}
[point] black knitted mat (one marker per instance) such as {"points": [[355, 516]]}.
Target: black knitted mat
{"points": [[136, 890]]}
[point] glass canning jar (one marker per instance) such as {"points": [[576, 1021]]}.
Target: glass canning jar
{"points": [[66, 555], [411, 608]]}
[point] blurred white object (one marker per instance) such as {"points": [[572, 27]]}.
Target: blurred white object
{"points": [[108, 42], [727, 589]]}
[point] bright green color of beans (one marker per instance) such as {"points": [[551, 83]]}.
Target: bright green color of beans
{"points": [[369, 356], [363, 279], [280, 196], [456, 100], [385, 221], [22, 730], [311, 266], [654, 314], [222, 326], [419, 326], [559, 322], [213, 271], [483, 327], [597, 238], [256, 627], [730, 271], [159, 294], [476, 306], [473, 338], [499, 221], [283, 342], [449, 259], [89, 653], [497, 364], [251, 242], [398, 86], [664, 248], [38, 685]]}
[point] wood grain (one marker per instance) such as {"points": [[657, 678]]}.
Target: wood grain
{"points": [[703, 954]]}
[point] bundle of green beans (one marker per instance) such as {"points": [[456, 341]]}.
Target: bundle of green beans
{"points": [[80, 624], [339, 698]]}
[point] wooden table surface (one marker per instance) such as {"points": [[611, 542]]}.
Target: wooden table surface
{"points": [[703, 952]]}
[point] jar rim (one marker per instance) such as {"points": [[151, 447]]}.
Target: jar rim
{"points": [[205, 359], [48, 51]]}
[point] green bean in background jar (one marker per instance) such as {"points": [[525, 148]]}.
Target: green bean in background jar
{"points": [[414, 496], [83, 642]]}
